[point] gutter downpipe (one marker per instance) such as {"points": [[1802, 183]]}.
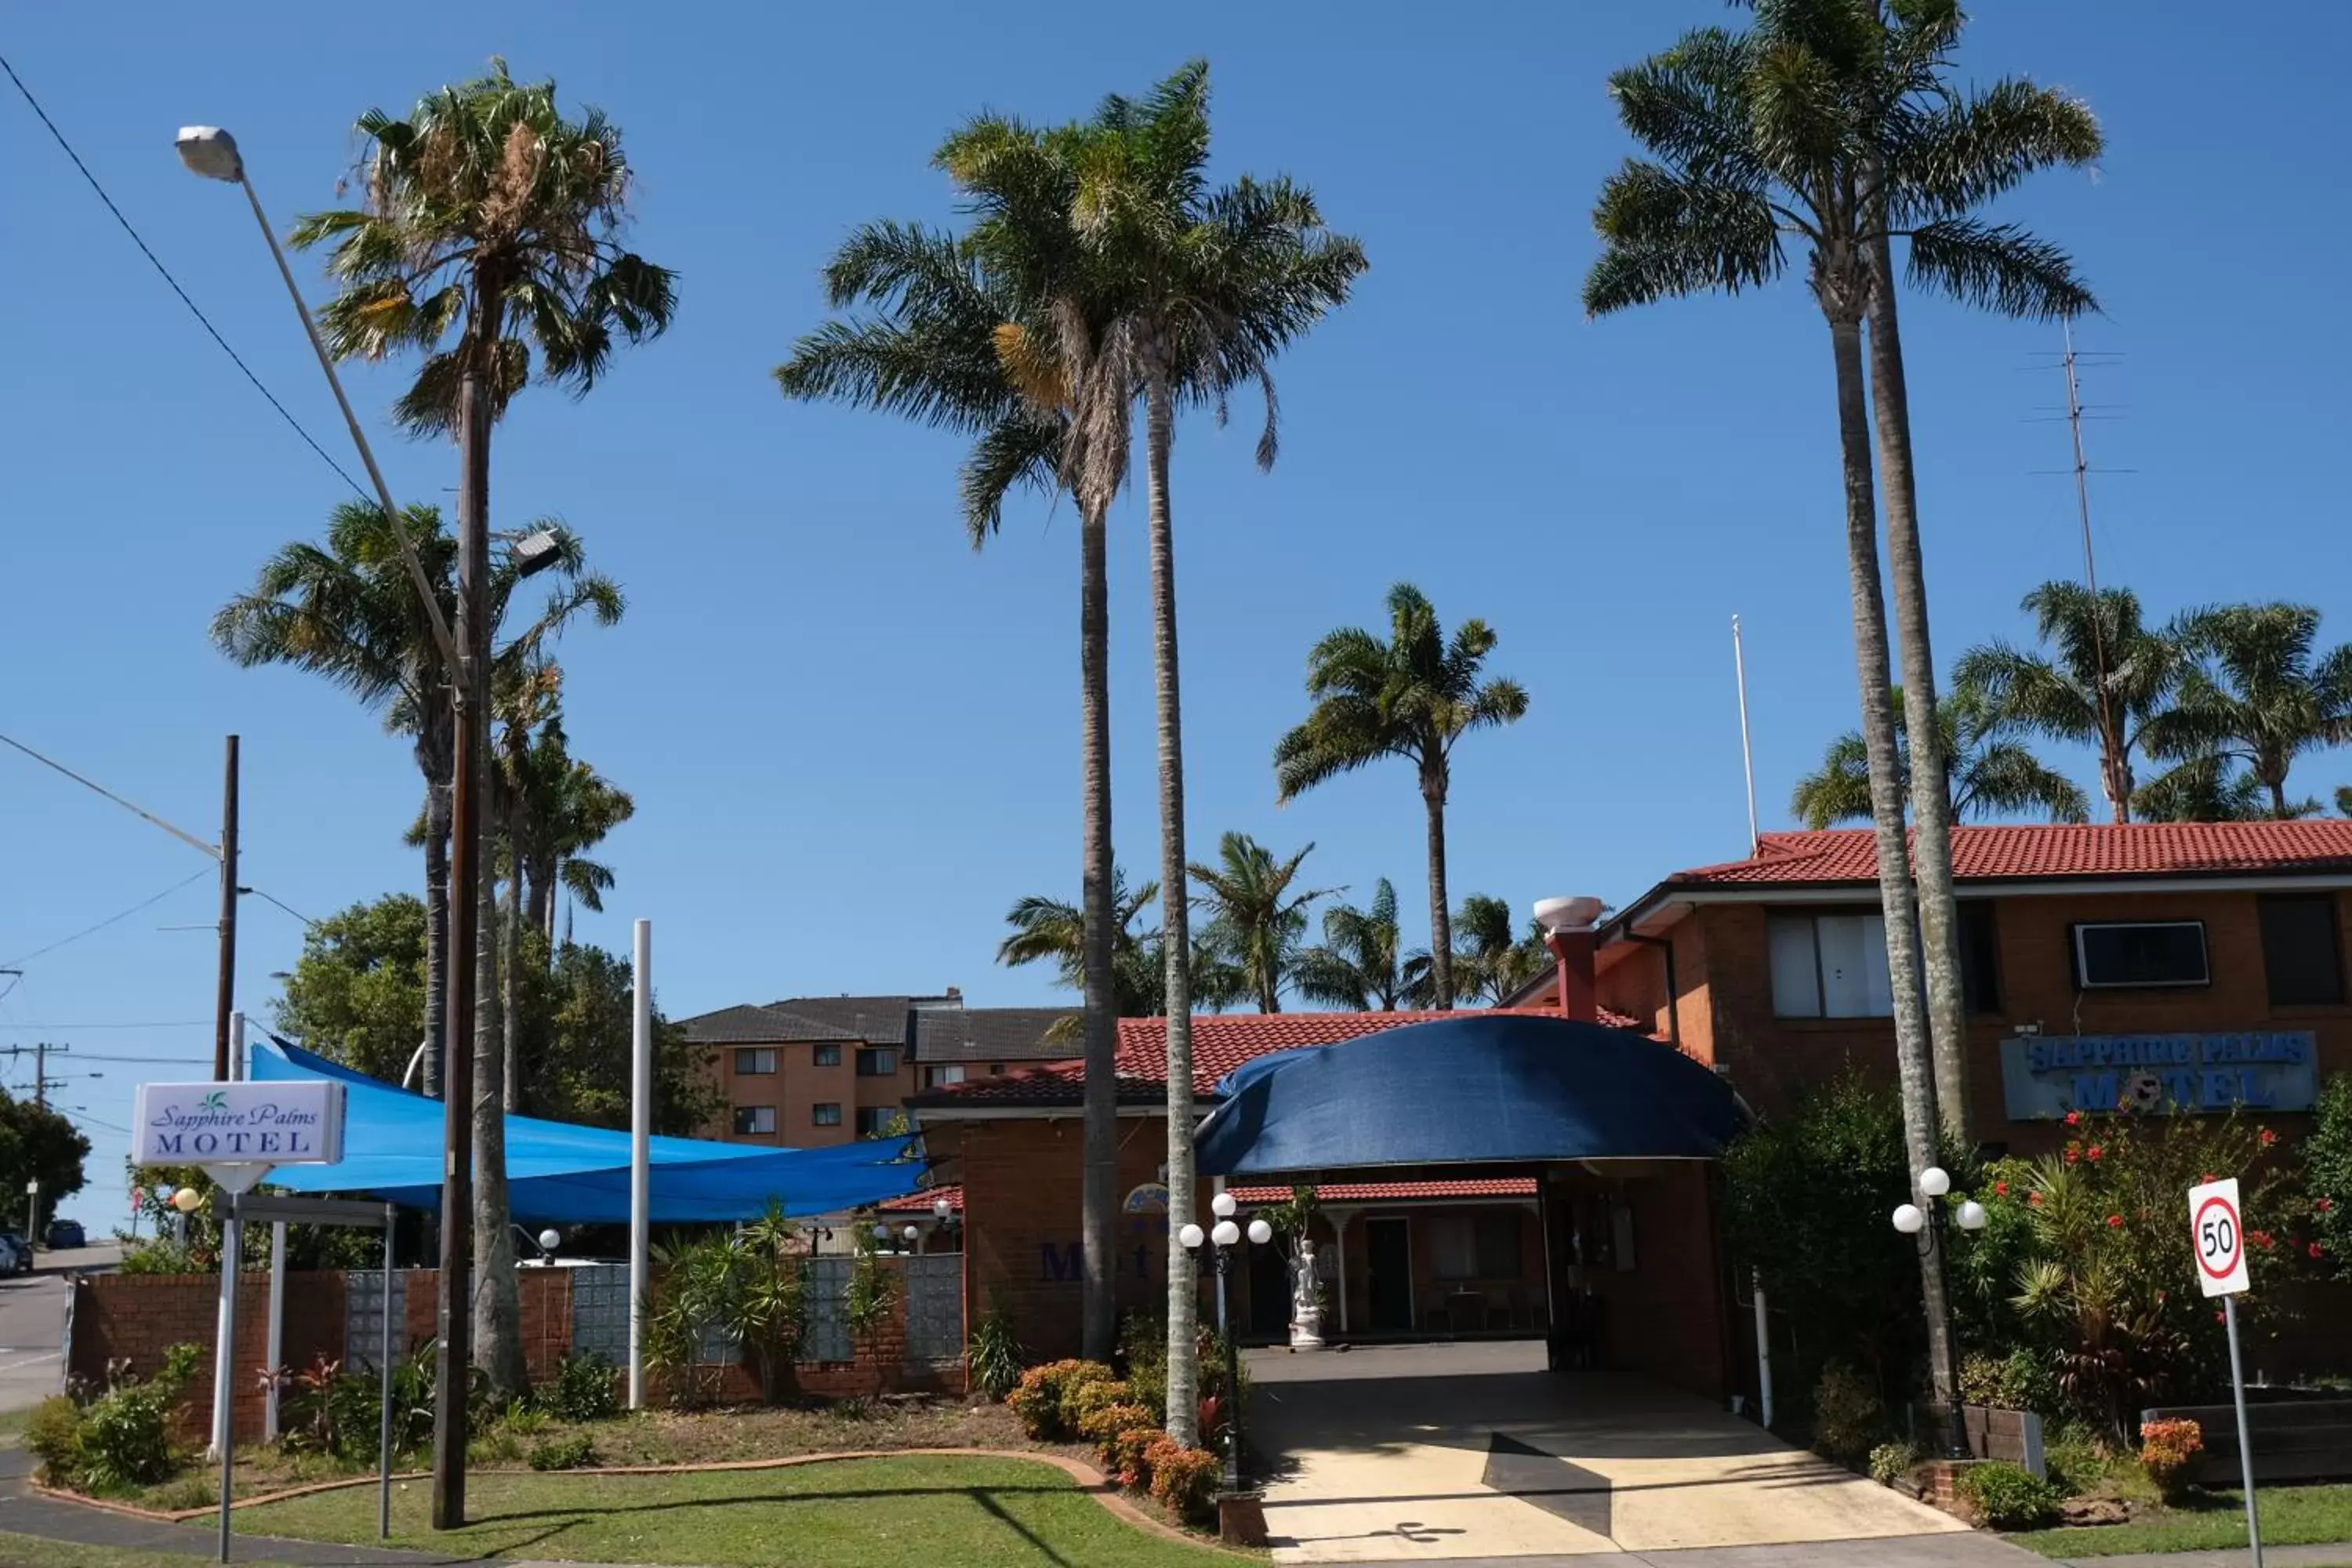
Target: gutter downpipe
{"points": [[1674, 992]]}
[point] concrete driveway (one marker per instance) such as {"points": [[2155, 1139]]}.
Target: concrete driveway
{"points": [[32, 1339], [1472, 1451]]}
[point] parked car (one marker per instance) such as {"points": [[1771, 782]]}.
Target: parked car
{"points": [[15, 1257], [67, 1232]]}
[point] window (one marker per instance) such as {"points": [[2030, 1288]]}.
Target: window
{"points": [[825, 1113], [996, 1069], [2301, 953], [877, 1061], [754, 1119], [753, 1062], [2142, 953], [874, 1120], [1473, 1247], [1829, 966], [827, 1056], [940, 1076], [1979, 956]]}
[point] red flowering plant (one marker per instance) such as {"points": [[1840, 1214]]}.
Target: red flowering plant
{"points": [[2327, 1166], [2092, 1246]]}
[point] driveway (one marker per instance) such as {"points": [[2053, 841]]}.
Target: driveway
{"points": [[32, 1339], [1419, 1453]]}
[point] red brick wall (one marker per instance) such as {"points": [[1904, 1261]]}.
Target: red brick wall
{"points": [[141, 1316], [1666, 1313]]}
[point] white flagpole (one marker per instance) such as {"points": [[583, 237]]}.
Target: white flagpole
{"points": [[1747, 754], [641, 1132]]}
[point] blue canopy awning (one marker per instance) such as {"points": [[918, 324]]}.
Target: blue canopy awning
{"points": [[1483, 1088], [564, 1174]]}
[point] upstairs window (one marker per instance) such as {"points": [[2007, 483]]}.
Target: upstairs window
{"points": [[1829, 966], [2117, 954], [751, 1120], [1979, 956], [752, 1063], [825, 1113], [939, 1075], [826, 1057], [877, 1061], [874, 1120], [2302, 953]]}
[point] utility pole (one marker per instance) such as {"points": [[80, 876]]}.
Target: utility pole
{"points": [[41, 1075], [225, 1001], [2109, 777]]}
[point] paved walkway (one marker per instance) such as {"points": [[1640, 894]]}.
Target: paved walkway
{"points": [[1470, 1452]]}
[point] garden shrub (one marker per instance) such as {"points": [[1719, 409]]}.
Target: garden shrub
{"points": [[53, 1435], [2167, 1450], [2072, 1454], [572, 1453], [1849, 1419], [1143, 1352], [2327, 1168], [1039, 1399], [1103, 1427], [1081, 1399], [1129, 1456], [2019, 1381], [1890, 1462], [1184, 1481], [2009, 1496], [994, 1355], [584, 1389], [125, 1437]]}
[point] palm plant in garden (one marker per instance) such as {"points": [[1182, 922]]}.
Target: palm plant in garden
{"points": [[1360, 964], [1413, 696], [1490, 961], [1052, 931], [2106, 676], [1992, 773], [1256, 919], [488, 243], [1828, 125], [2257, 693]]}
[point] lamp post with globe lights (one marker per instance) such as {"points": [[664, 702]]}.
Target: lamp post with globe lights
{"points": [[1225, 1235], [1930, 1226]]}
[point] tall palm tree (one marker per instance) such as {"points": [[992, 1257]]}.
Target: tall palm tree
{"points": [[1802, 130], [998, 341], [1050, 930], [1989, 774], [1359, 966], [1255, 920], [1413, 696], [489, 218], [1163, 287], [2207, 789], [1489, 960], [2258, 692], [2106, 675]]}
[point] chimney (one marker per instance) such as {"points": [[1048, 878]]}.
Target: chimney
{"points": [[1568, 933], [955, 994]]}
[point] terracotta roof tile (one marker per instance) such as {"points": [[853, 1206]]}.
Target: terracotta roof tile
{"points": [[920, 1203], [1393, 1192], [2002, 853]]}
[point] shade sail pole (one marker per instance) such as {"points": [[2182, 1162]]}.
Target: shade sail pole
{"points": [[641, 1132]]}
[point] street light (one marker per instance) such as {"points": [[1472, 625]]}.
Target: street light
{"points": [[535, 552], [1926, 1224], [1226, 1235]]}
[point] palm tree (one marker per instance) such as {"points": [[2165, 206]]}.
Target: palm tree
{"points": [[1823, 126], [1359, 966], [1050, 930], [1989, 774], [1413, 696], [2106, 676], [489, 216], [1490, 961], [2206, 789], [2257, 693], [1255, 920]]}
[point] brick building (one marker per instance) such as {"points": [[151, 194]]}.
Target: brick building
{"points": [[809, 1071]]}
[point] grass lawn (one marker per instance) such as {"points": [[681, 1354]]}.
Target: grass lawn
{"points": [[911, 1513], [32, 1552], [2291, 1516]]}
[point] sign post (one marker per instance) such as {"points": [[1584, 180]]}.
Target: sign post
{"points": [[2217, 1231]]}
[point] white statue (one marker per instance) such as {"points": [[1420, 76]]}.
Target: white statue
{"points": [[1306, 1301]]}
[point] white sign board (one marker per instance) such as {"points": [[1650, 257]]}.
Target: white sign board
{"points": [[266, 1123], [2217, 1233]]}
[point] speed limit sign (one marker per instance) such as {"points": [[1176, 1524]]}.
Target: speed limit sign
{"points": [[2217, 1233]]}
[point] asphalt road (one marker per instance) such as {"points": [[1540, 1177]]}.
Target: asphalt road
{"points": [[32, 1338]]}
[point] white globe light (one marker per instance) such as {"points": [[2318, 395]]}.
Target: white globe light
{"points": [[1191, 1238], [1226, 1234], [1260, 1233], [881, 1232], [1934, 1182], [1909, 1220], [1222, 1205], [941, 1207], [910, 1233], [550, 1240], [1972, 1216], [187, 1200]]}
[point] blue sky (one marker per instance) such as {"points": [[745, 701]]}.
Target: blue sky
{"points": [[852, 741]]}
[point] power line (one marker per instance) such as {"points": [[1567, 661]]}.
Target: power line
{"points": [[182, 834], [205, 321], [111, 920], [67, 1028]]}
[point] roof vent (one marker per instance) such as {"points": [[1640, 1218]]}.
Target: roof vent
{"points": [[1567, 914]]}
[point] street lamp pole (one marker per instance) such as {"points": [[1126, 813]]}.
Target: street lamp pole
{"points": [[1225, 1235], [1930, 1226]]}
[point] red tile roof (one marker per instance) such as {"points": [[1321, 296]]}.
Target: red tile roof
{"points": [[1395, 1192], [2000, 853], [1221, 1042], [920, 1203]]}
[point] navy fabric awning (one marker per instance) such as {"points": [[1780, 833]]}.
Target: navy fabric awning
{"points": [[1477, 1090], [559, 1173]]}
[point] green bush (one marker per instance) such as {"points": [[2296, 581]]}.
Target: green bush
{"points": [[126, 1435], [1890, 1462], [1849, 1419], [2327, 1164], [1183, 1479], [2009, 1497], [53, 1435], [994, 1355], [2073, 1455], [1081, 1399], [575, 1452], [584, 1389], [1045, 1393], [1103, 1426], [2019, 1381]]}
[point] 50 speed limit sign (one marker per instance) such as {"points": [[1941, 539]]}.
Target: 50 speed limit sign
{"points": [[2217, 1233]]}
